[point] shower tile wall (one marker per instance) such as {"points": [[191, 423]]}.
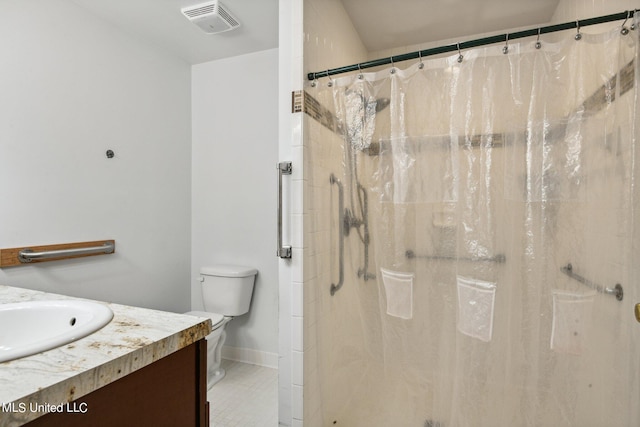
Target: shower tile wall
{"points": [[614, 254], [567, 10], [290, 78], [330, 41]]}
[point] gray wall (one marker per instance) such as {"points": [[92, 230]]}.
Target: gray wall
{"points": [[235, 151], [72, 87]]}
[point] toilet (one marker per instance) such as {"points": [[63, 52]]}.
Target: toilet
{"points": [[226, 292]]}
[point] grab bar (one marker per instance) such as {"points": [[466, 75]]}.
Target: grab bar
{"points": [[284, 168], [364, 272], [616, 290], [28, 255], [336, 287], [500, 258]]}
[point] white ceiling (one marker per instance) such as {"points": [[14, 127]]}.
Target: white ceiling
{"points": [[384, 24], [162, 23], [381, 24]]}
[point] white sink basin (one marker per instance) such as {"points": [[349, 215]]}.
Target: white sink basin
{"points": [[31, 327]]}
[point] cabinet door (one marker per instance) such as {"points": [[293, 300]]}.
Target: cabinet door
{"points": [[170, 392]]}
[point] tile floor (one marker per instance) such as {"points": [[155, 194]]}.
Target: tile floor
{"points": [[246, 397]]}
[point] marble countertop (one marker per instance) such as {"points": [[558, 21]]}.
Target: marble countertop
{"points": [[135, 338]]}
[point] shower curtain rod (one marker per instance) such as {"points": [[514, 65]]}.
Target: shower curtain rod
{"points": [[475, 43]]}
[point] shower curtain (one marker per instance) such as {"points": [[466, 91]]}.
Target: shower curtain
{"points": [[500, 198]]}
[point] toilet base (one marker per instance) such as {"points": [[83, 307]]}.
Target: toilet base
{"points": [[215, 341], [214, 377]]}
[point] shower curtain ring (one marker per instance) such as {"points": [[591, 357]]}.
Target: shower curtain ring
{"points": [[330, 84], [460, 57], [505, 49], [314, 82], [360, 76], [624, 30], [538, 44], [578, 36], [393, 67], [421, 65]]}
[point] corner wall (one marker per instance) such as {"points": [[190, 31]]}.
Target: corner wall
{"points": [[569, 10], [235, 143]]}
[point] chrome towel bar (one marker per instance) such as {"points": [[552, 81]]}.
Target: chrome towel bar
{"points": [[616, 290], [25, 255], [284, 168], [28, 255]]}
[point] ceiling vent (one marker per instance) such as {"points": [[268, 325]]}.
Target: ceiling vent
{"points": [[212, 17]]}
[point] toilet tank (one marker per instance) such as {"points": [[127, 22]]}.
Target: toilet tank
{"points": [[227, 289]]}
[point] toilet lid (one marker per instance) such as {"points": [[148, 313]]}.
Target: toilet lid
{"points": [[215, 317]]}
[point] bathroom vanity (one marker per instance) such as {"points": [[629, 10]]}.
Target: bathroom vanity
{"points": [[146, 367]]}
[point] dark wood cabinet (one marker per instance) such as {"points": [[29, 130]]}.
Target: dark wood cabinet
{"points": [[170, 392]]}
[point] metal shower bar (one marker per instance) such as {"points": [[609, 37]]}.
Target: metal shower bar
{"points": [[616, 290], [284, 168], [500, 258], [336, 287], [475, 43]]}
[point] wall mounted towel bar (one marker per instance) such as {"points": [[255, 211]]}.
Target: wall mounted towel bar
{"points": [[284, 168], [19, 256], [616, 290], [500, 258]]}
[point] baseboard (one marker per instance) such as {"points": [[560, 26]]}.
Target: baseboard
{"points": [[247, 355]]}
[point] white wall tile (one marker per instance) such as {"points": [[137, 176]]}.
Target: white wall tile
{"points": [[297, 371], [297, 402], [296, 263], [297, 299], [297, 228], [297, 196], [297, 333]]}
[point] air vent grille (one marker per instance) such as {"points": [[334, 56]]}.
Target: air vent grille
{"points": [[203, 10], [211, 17], [227, 16]]}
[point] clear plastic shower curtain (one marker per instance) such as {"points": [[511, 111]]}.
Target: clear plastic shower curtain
{"points": [[491, 178]]}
